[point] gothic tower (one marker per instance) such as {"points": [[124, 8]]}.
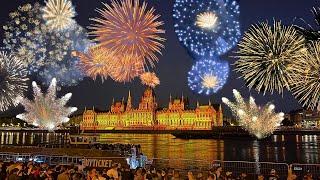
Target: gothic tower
{"points": [[129, 102], [148, 100]]}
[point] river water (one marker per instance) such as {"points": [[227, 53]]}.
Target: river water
{"points": [[289, 149]]}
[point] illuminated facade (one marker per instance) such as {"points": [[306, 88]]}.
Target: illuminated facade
{"points": [[148, 117]]}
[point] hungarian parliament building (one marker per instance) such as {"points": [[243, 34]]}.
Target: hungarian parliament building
{"points": [[122, 116]]}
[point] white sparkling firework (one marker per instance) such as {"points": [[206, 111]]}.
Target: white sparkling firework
{"points": [[207, 20], [58, 14], [13, 80], [45, 110], [258, 121], [209, 81]]}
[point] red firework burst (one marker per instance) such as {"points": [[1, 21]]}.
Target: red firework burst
{"points": [[97, 62], [126, 68], [128, 28], [149, 79]]}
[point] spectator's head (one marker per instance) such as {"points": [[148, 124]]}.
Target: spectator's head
{"points": [[58, 168], [170, 171], [243, 174], [144, 171], [139, 172], [273, 172], [294, 176], [163, 173], [211, 177], [44, 165], [49, 171], [30, 163], [99, 173], [260, 177], [154, 177], [62, 168], [65, 169], [93, 172], [219, 169], [159, 172], [308, 175], [212, 171], [76, 176], [200, 175], [190, 174], [34, 170], [176, 174], [14, 171]]}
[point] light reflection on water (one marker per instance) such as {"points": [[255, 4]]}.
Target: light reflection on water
{"points": [[301, 149]]}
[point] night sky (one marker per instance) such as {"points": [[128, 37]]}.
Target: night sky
{"points": [[175, 62]]}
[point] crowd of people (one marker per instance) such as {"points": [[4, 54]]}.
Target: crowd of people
{"points": [[43, 171]]}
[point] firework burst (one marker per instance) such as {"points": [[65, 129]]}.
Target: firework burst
{"points": [[65, 67], [19, 29], [259, 121], [207, 27], [207, 20], [97, 62], [46, 111], [13, 80], [149, 79], [126, 68], [58, 14], [208, 76], [46, 53], [305, 77], [265, 54], [311, 33], [128, 28]]}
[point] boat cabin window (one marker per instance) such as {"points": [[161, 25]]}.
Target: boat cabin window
{"points": [[72, 139], [79, 139]]}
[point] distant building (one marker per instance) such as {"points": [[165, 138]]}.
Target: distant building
{"points": [[147, 116], [305, 118]]}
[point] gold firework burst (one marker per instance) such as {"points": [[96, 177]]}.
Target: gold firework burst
{"points": [[58, 14], [265, 54], [305, 77]]}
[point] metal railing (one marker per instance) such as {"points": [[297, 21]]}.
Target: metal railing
{"points": [[252, 169]]}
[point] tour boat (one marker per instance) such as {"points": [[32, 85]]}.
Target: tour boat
{"points": [[84, 140]]}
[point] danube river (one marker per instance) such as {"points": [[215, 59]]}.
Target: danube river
{"points": [[289, 149]]}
